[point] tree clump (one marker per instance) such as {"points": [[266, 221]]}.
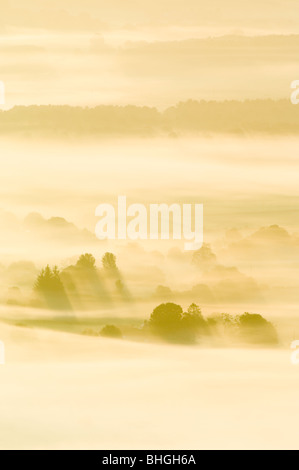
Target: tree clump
{"points": [[171, 323], [86, 261], [109, 262], [50, 289], [111, 331], [257, 330]]}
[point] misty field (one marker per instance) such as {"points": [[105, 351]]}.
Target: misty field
{"points": [[67, 391], [66, 386]]}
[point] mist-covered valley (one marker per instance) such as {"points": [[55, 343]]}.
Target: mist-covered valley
{"points": [[248, 262]]}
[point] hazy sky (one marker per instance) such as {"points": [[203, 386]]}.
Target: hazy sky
{"points": [[93, 52], [95, 16]]}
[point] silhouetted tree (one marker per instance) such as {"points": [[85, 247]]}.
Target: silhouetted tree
{"points": [[111, 331], [169, 322], [256, 329], [50, 287], [86, 261], [109, 262], [193, 318], [165, 320], [193, 324]]}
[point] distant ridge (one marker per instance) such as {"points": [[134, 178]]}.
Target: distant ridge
{"points": [[195, 117]]}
